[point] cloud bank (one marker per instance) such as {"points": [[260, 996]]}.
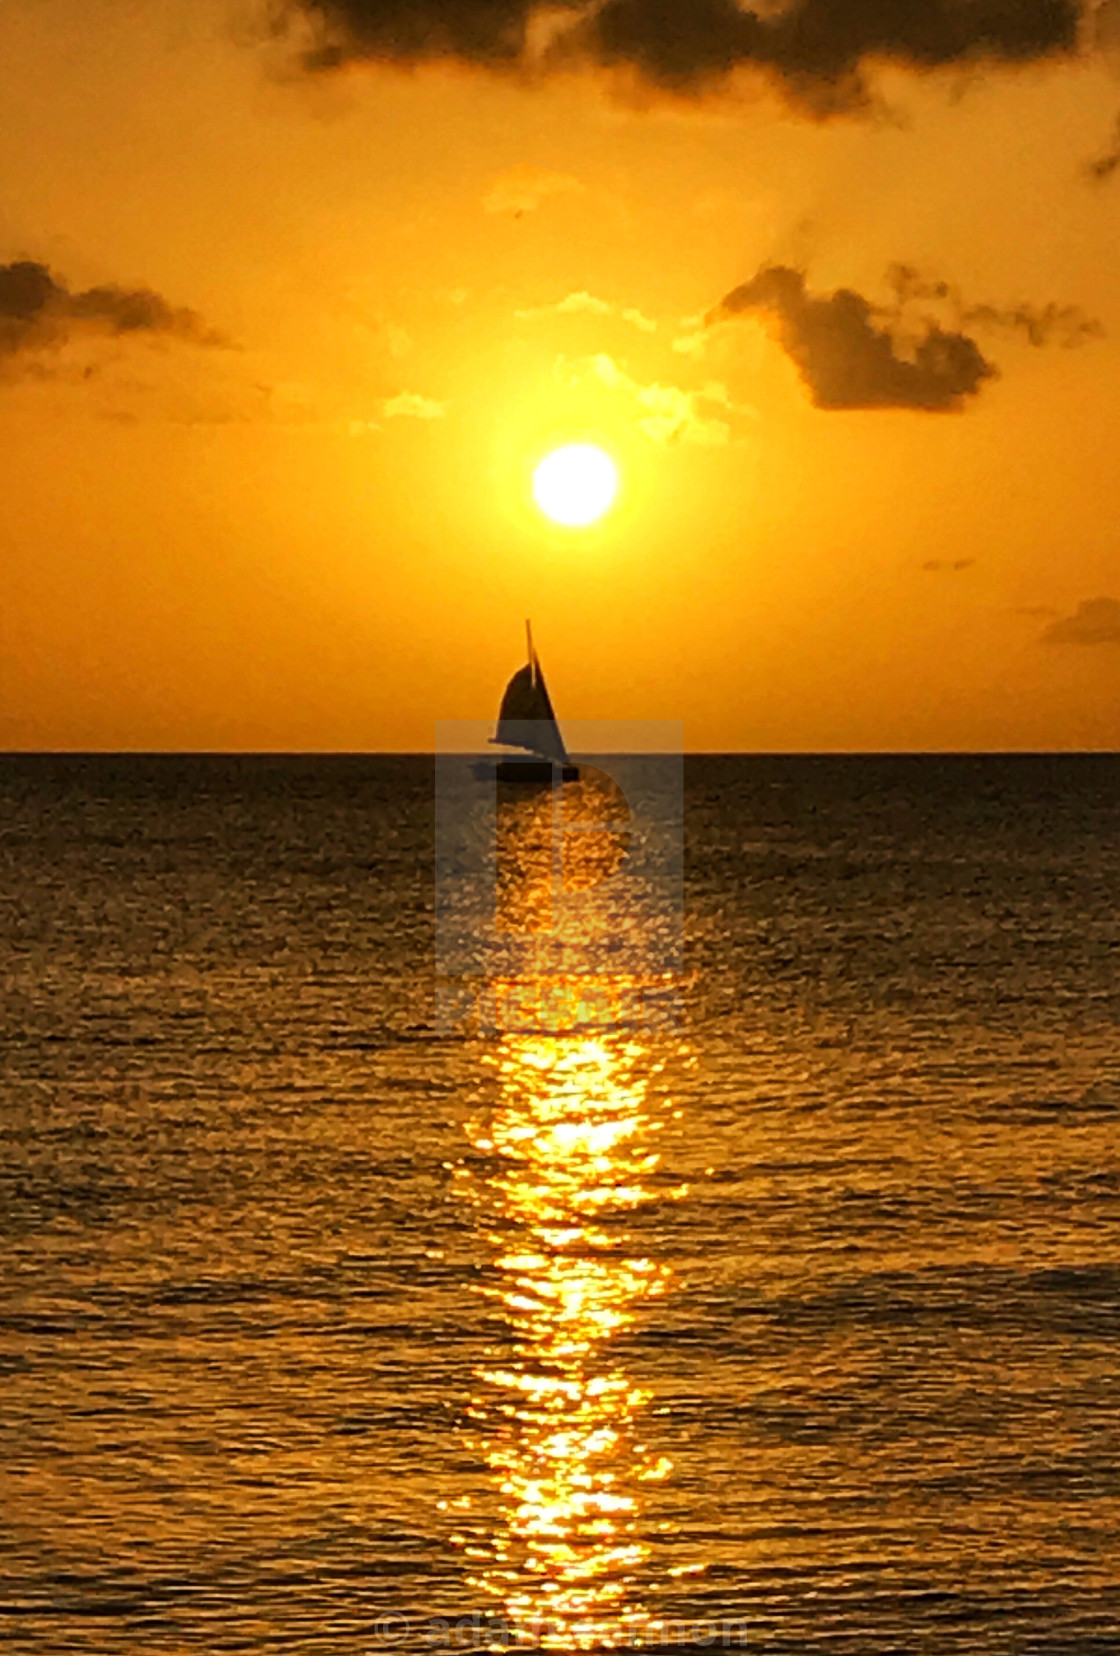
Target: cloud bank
{"points": [[816, 51], [38, 312]]}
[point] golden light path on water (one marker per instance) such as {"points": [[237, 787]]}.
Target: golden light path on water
{"points": [[557, 1417]]}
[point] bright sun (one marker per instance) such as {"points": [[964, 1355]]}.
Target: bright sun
{"points": [[575, 485]]}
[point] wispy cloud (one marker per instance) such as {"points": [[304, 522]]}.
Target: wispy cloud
{"points": [[664, 413], [409, 405], [522, 189], [694, 339], [588, 304], [1037, 324], [1094, 621], [1102, 166]]}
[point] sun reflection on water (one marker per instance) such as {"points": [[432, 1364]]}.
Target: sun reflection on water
{"points": [[555, 1414]]}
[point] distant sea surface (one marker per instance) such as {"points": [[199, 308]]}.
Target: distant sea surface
{"points": [[322, 1331]]}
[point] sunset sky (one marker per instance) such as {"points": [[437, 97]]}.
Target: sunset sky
{"points": [[288, 315]]}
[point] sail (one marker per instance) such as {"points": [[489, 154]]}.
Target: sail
{"points": [[526, 719]]}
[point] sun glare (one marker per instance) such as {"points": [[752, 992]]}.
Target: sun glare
{"points": [[575, 485]]}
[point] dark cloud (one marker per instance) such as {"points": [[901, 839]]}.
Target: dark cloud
{"points": [[38, 312], [949, 563], [1094, 621], [815, 50], [1039, 325], [1104, 165], [850, 357], [1104, 31], [918, 352]]}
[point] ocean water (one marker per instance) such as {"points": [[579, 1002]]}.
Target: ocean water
{"points": [[793, 1328]]}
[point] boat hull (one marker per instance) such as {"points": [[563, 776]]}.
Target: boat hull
{"points": [[527, 773]]}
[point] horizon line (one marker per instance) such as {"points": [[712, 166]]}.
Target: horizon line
{"points": [[436, 753]]}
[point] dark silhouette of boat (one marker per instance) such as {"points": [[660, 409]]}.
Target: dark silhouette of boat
{"points": [[526, 720]]}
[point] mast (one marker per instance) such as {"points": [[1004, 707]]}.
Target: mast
{"points": [[529, 655]]}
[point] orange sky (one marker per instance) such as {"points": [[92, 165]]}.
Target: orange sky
{"points": [[298, 516]]}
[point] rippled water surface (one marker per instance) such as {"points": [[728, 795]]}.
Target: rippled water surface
{"points": [[322, 1329]]}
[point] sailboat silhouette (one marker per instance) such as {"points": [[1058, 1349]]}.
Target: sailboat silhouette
{"points": [[527, 720]]}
